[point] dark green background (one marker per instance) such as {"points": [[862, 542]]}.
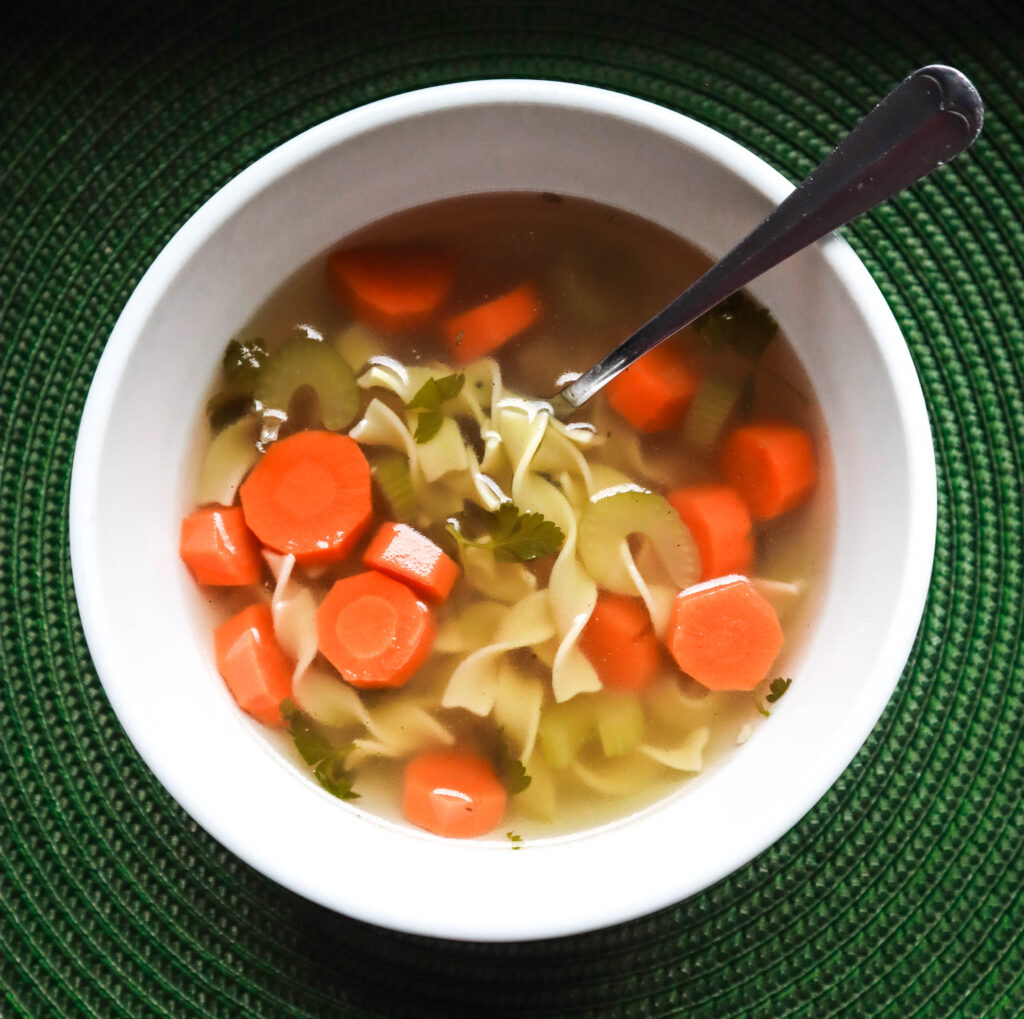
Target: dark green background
{"points": [[898, 895]]}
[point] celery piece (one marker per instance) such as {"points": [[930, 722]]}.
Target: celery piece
{"points": [[304, 361], [390, 470], [620, 722], [714, 401], [612, 516], [357, 343], [564, 729], [582, 289]]}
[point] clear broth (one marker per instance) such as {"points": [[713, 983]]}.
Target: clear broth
{"points": [[602, 273]]}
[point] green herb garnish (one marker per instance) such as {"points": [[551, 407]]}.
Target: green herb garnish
{"points": [[510, 768], [740, 323], [429, 399], [513, 535], [225, 408], [776, 689], [513, 837], [243, 362], [317, 749]]}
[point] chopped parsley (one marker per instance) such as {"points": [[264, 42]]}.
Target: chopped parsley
{"points": [[429, 399], [513, 535], [740, 323], [514, 838], [776, 689], [510, 768], [318, 750], [243, 361]]}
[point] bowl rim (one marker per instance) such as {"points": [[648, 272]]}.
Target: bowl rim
{"points": [[310, 144]]}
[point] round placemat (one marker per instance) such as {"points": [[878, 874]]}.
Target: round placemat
{"points": [[899, 894]]}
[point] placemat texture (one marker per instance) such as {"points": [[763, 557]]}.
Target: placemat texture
{"points": [[900, 893]]}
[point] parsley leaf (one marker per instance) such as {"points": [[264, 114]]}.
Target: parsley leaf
{"points": [[514, 535], [509, 767], [429, 399], [317, 749], [428, 424], [776, 688], [243, 361], [738, 322]]}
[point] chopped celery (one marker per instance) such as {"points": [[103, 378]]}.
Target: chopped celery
{"points": [[357, 343], [620, 722], [612, 516], [304, 361], [714, 401], [564, 728], [738, 322], [390, 470], [581, 285]]}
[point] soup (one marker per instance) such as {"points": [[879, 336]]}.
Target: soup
{"points": [[446, 604]]}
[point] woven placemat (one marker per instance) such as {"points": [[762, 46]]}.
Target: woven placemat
{"points": [[898, 895]]}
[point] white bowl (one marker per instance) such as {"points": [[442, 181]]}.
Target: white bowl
{"points": [[130, 489]]}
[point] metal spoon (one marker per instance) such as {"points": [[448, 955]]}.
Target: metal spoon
{"points": [[929, 118]]}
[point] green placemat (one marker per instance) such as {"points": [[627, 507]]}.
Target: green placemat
{"points": [[899, 894]]}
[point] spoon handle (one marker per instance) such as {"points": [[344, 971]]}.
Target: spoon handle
{"points": [[930, 117]]}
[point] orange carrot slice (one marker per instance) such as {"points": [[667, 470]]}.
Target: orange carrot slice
{"points": [[218, 548], [720, 523], [452, 793], [724, 634], [476, 333], [392, 288], [619, 642], [252, 663], [374, 630], [309, 495], [771, 465], [654, 393], [407, 555]]}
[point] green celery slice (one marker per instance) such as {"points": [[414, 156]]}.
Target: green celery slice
{"points": [[714, 401], [564, 729], [620, 722], [390, 471], [613, 515], [304, 361]]}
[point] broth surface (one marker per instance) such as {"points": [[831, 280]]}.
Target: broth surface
{"points": [[601, 273]]}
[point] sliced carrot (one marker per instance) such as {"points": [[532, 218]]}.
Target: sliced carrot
{"points": [[407, 555], [720, 523], [374, 630], [392, 288], [251, 661], [218, 548], [771, 465], [309, 495], [476, 333], [453, 793], [620, 643], [655, 392], [724, 634]]}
